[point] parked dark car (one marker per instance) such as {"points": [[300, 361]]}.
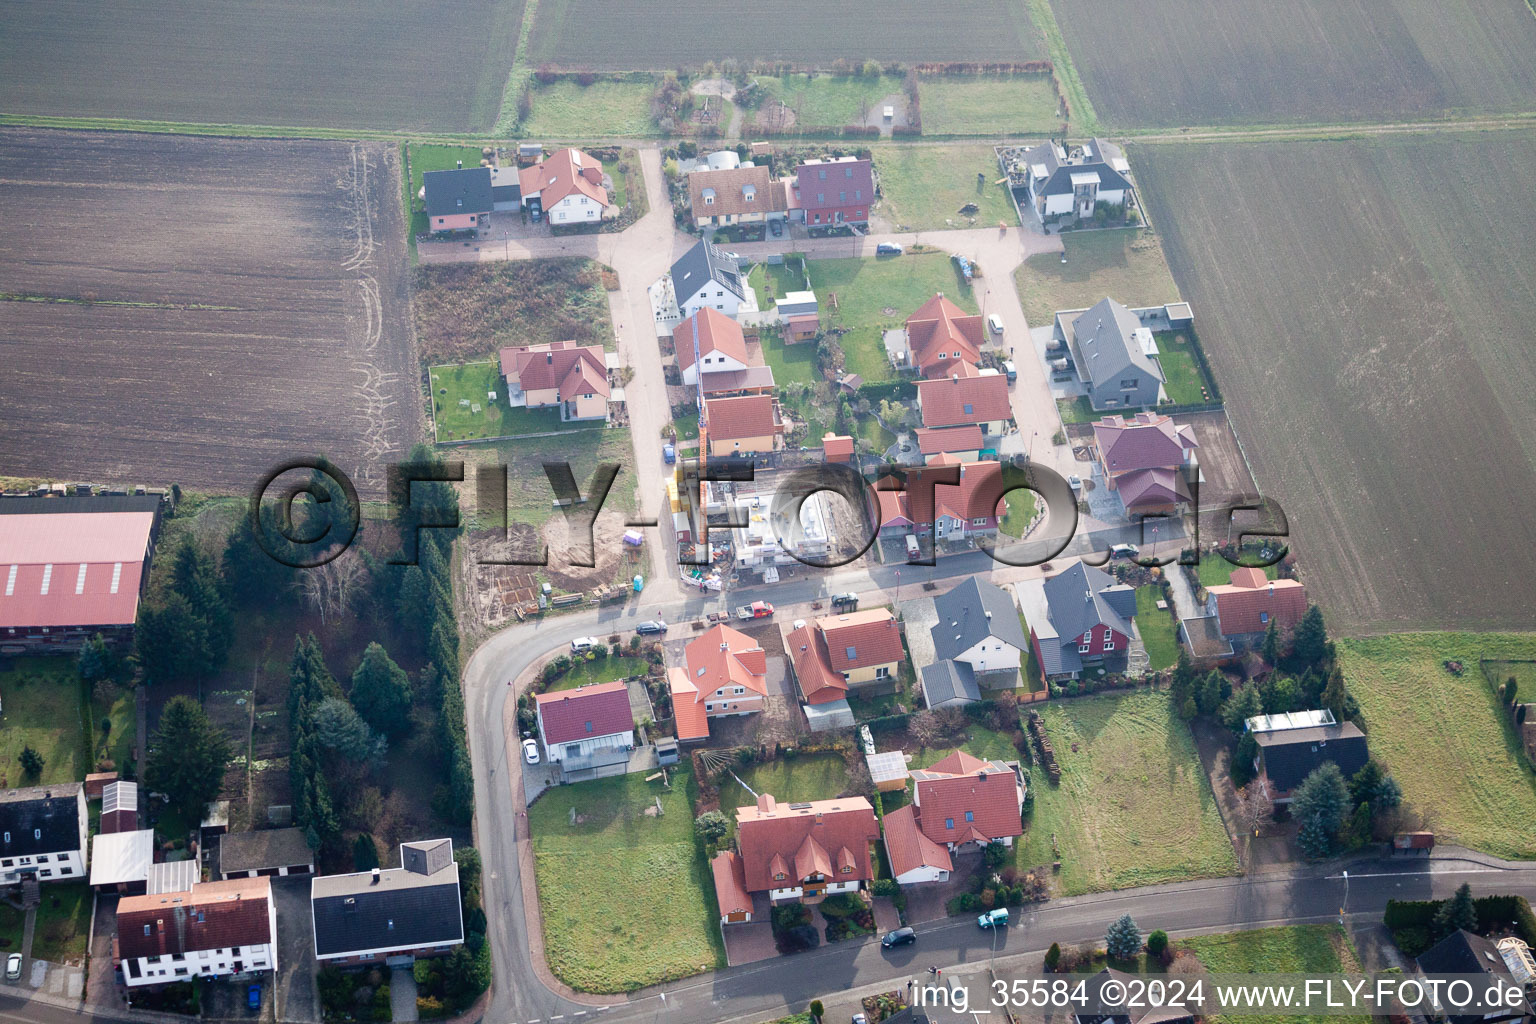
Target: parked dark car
{"points": [[253, 997], [648, 628], [848, 601], [777, 227], [888, 249], [899, 937]]}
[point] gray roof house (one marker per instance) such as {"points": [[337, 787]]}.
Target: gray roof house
{"points": [[707, 275], [392, 914], [42, 833], [1114, 355], [949, 682], [272, 851], [1071, 182], [1462, 952], [1288, 756], [979, 626], [1079, 619], [463, 190]]}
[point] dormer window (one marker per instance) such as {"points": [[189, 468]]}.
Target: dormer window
{"points": [[779, 877], [847, 869]]}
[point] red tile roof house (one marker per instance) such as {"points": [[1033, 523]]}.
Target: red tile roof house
{"points": [[860, 651], [837, 191], [1245, 607], [71, 568], [216, 929], [567, 185], [944, 339], [587, 729], [934, 443], [958, 803], [561, 374], [803, 851], [724, 672], [743, 425], [952, 512], [956, 401], [837, 448], [1142, 457], [722, 351]]}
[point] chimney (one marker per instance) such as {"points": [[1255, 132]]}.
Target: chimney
{"points": [[549, 357], [1088, 595], [989, 615], [375, 879], [725, 647], [766, 804]]}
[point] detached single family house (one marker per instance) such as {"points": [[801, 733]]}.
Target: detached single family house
{"points": [[944, 340], [979, 628], [707, 275], [1144, 458], [952, 512], [834, 655], [560, 375], [42, 834], [1293, 746], [1070, 183], [836, 191], [1245, 607], [567, 186], [390, 915], [1080, 619], [457, 199], [722, 356], [724, 672], [805, 851], [1114, 355], [739, 195], [954, 401], [213, 930], [743, 425], [588, 731], [961, 802], [1465, 953]]}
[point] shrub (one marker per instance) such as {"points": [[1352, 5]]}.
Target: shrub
{"points": [[1412, 941], [817, 1010], [885, 887], [1157, 943], [1053, 956]]}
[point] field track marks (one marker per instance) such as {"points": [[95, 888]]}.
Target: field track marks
{"points": [[374, 389]]}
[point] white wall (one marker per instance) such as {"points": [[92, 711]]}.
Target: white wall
{"points": [[582, 747], [990, 655], [574, 209], [922, 874], [714, 295], [714, 362]]}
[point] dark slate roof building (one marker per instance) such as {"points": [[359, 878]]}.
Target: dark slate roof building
{"points": [[1079, 607], [1288, 756], [464, 190], [703, 265], [972, 612], [1462, 952], [949, 682], [1114, 355], [407, 911], [272, 851], [43, 821], [1058, 166]]}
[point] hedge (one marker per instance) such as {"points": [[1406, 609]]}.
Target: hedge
{"points": [[889, 391], [1491, 911]]}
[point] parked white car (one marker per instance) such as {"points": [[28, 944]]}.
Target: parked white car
{"points": [[530, 751], [13, 967], [584, 643], [996, 323]]}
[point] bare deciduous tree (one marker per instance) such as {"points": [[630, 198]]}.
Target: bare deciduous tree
{"points": [[332, 588], [1254, 808]]}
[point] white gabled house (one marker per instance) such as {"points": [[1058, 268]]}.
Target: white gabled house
{"points": [[215, 929], [43, 834]]}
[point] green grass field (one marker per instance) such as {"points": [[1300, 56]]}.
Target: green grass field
{"points": [[1182, 379], [1298, 949], [790, 363], [1158, 631], [1134, 806], [42, 710], [979, 740], [1214, 570], [1127, 265], [532, 503], [772, 281], [63, 931], [1077, 410], [626, 898], [606, 670], [789, 779], [1444, 737], [876, 295], [454, 384], [565, 109], [924, 187], [989, 105], [831, 101]]}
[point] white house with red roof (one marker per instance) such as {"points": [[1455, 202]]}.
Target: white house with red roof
{"points": [[589, 720], [722, 355], [1144, 459], [724, 672], [1245, 607], [567, 185], [943, 339], [561, 374], [960, 802], [956, 401], [743, 425], [860, 651], [805, 851]]}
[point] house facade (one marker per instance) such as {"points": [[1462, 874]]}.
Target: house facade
{"points": [[835, 654], [980, 401], [457, 199], [213, 930], [963, 443], [979, 627], [806, 851], [391, 916], [914, 857], [1144, 459], [43, 834], [567, 186], [585, 721], [562, 375], [836, 191], [1115, 357], [1072, 182], [718, 340], [743, 424], [737, 195], [724, 672], [1291, 747], [1079, 619], [707, 275], [951, 512], [73, 567]]}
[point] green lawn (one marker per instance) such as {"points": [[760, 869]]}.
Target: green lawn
{"points": [[789, 779], [626, 898], [1182, 378], [533, 502], [924, 187], [1311, 949], [565, 109], [605, 670], [1077, 410], [1126, 265], [790, 363], [990, 105], [42, 710], [63, 930], [876, 295], [1158, 631], [832, 101], [687, 425], [424, 158], [455, 384], [984, 743], [772, 281], [1021, 509], [1445, 737], [1134, 806], [13, 924], [1214, 570]]}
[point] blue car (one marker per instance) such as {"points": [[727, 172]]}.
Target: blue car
{"points": [[253, 997]]}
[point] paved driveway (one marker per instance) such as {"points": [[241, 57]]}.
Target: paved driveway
{"points": [[297, 998]]}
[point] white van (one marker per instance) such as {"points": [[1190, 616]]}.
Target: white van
{"points": [[913, 550], [995, 322]]}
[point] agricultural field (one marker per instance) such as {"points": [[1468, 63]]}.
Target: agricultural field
{"points": [[328, 63], [1386, 349], [565, 109], [469, 311], [1134, 806], [1445, 737], [615, 35], [923, 188], [645, 897], [991, 105], [143, 351], [1127, 265], [1167, 63]]}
